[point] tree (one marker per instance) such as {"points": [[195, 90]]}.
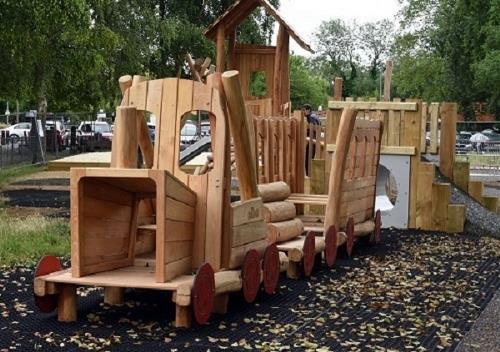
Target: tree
{"points": [[376, 40], [305, 86]]}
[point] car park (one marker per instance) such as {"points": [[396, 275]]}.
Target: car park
{"points": [[18, 131]]}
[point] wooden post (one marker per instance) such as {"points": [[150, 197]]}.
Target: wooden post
{"points": [[461, 172], [456, 218], [238, 123], [66, 304], [424, 196], [448, 137], [333, 205], [220, 66], [282, 46], [337, 88], [124, 147], [491, 203], [387, 80], [434, 116], [317, 173], [114, 295], [476, 189], [440, 201]]}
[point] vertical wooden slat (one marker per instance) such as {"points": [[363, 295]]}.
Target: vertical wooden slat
{"points": [[434, 116], [423, 128], [184, 105], [448, 113], [440, 200], [424, 196], [199, 185], [165, 133]]}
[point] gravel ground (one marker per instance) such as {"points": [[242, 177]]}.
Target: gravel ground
{"points": [[418, 291], [485, 334]]}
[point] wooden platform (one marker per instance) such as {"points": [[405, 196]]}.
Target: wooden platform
{"points": [[97, 159]]}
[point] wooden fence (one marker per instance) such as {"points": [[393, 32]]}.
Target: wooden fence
{"points": [[279, 150]]}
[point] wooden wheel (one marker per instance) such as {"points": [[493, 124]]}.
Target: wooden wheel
{"points": [[48, 264], [331, 246], [271, 269], [378, 226], [250, 274], [203, 293], [349, 229], [309, 253]]}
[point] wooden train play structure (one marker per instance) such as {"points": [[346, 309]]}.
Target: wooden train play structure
{"points": [[202, 236], [159, 228]]}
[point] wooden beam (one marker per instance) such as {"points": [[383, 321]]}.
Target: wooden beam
{"points": [[448, 138], [387, 80], [424, 196], [385, 149], [238, 123], [461, 172], [456, 218], [220, 65], [440, 201], [337, 89], [476, 189], [368, 105], [282, 47], [124, 147]]}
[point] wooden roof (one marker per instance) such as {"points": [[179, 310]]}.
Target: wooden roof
{"points": [[240, 10]]}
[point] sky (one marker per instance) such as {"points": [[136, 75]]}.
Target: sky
{"points": [[305, 16]]}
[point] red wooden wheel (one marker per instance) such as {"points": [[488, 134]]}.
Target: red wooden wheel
{"points": [[48, 264], [331, 246], [271, 269], [203, 293], [250, 273], [349, 229], [378, 226], [309, 253]]}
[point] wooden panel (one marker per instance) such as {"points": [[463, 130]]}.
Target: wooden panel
{"points": [[491, 203], [423, 127], [448, 113], [247, 233], [424, 196], [440, 201], [318, 183], [138, 94], [154, 97], [184, 105], [178, 268], [176, 250], [179, 191], [244, 212]]}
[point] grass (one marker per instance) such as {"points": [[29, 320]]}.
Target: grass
{"points": [[480, 159], [10, 173], [23, 241]]}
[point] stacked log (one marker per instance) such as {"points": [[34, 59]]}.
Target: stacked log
{"points": [[279, 214]]}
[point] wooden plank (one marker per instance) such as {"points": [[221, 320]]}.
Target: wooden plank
{"points": [[199, 185], [138, 93], [456, 218], [178, 268], [424, 196], [476, 191], [434, 126], [177, 230], [448, 138], [244, 212], [184, 106], [177, 190], [165, 133], [461, 172], [387, 80], [318, 183], [177, 250], [386, 150], [362, 105], [440, 201], [247, 233], [179, 211], [125, 141], [423, 128]]}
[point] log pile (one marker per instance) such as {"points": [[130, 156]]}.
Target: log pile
{"points": [[279, 214]]}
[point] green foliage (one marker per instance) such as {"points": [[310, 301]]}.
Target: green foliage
{"points": [[456, 45], [25, 240], [257, 86], [305, 85], [73, 52], [8, 174], [341, 47]]}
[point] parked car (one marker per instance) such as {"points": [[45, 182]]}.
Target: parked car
{"points": [[152, 131], [188, 134], [91, 128], [18, 131]]}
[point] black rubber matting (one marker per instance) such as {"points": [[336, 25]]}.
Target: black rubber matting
{"points": [[418, 291]]}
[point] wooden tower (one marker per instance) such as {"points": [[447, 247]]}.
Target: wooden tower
{"points": [[251, 58]]}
